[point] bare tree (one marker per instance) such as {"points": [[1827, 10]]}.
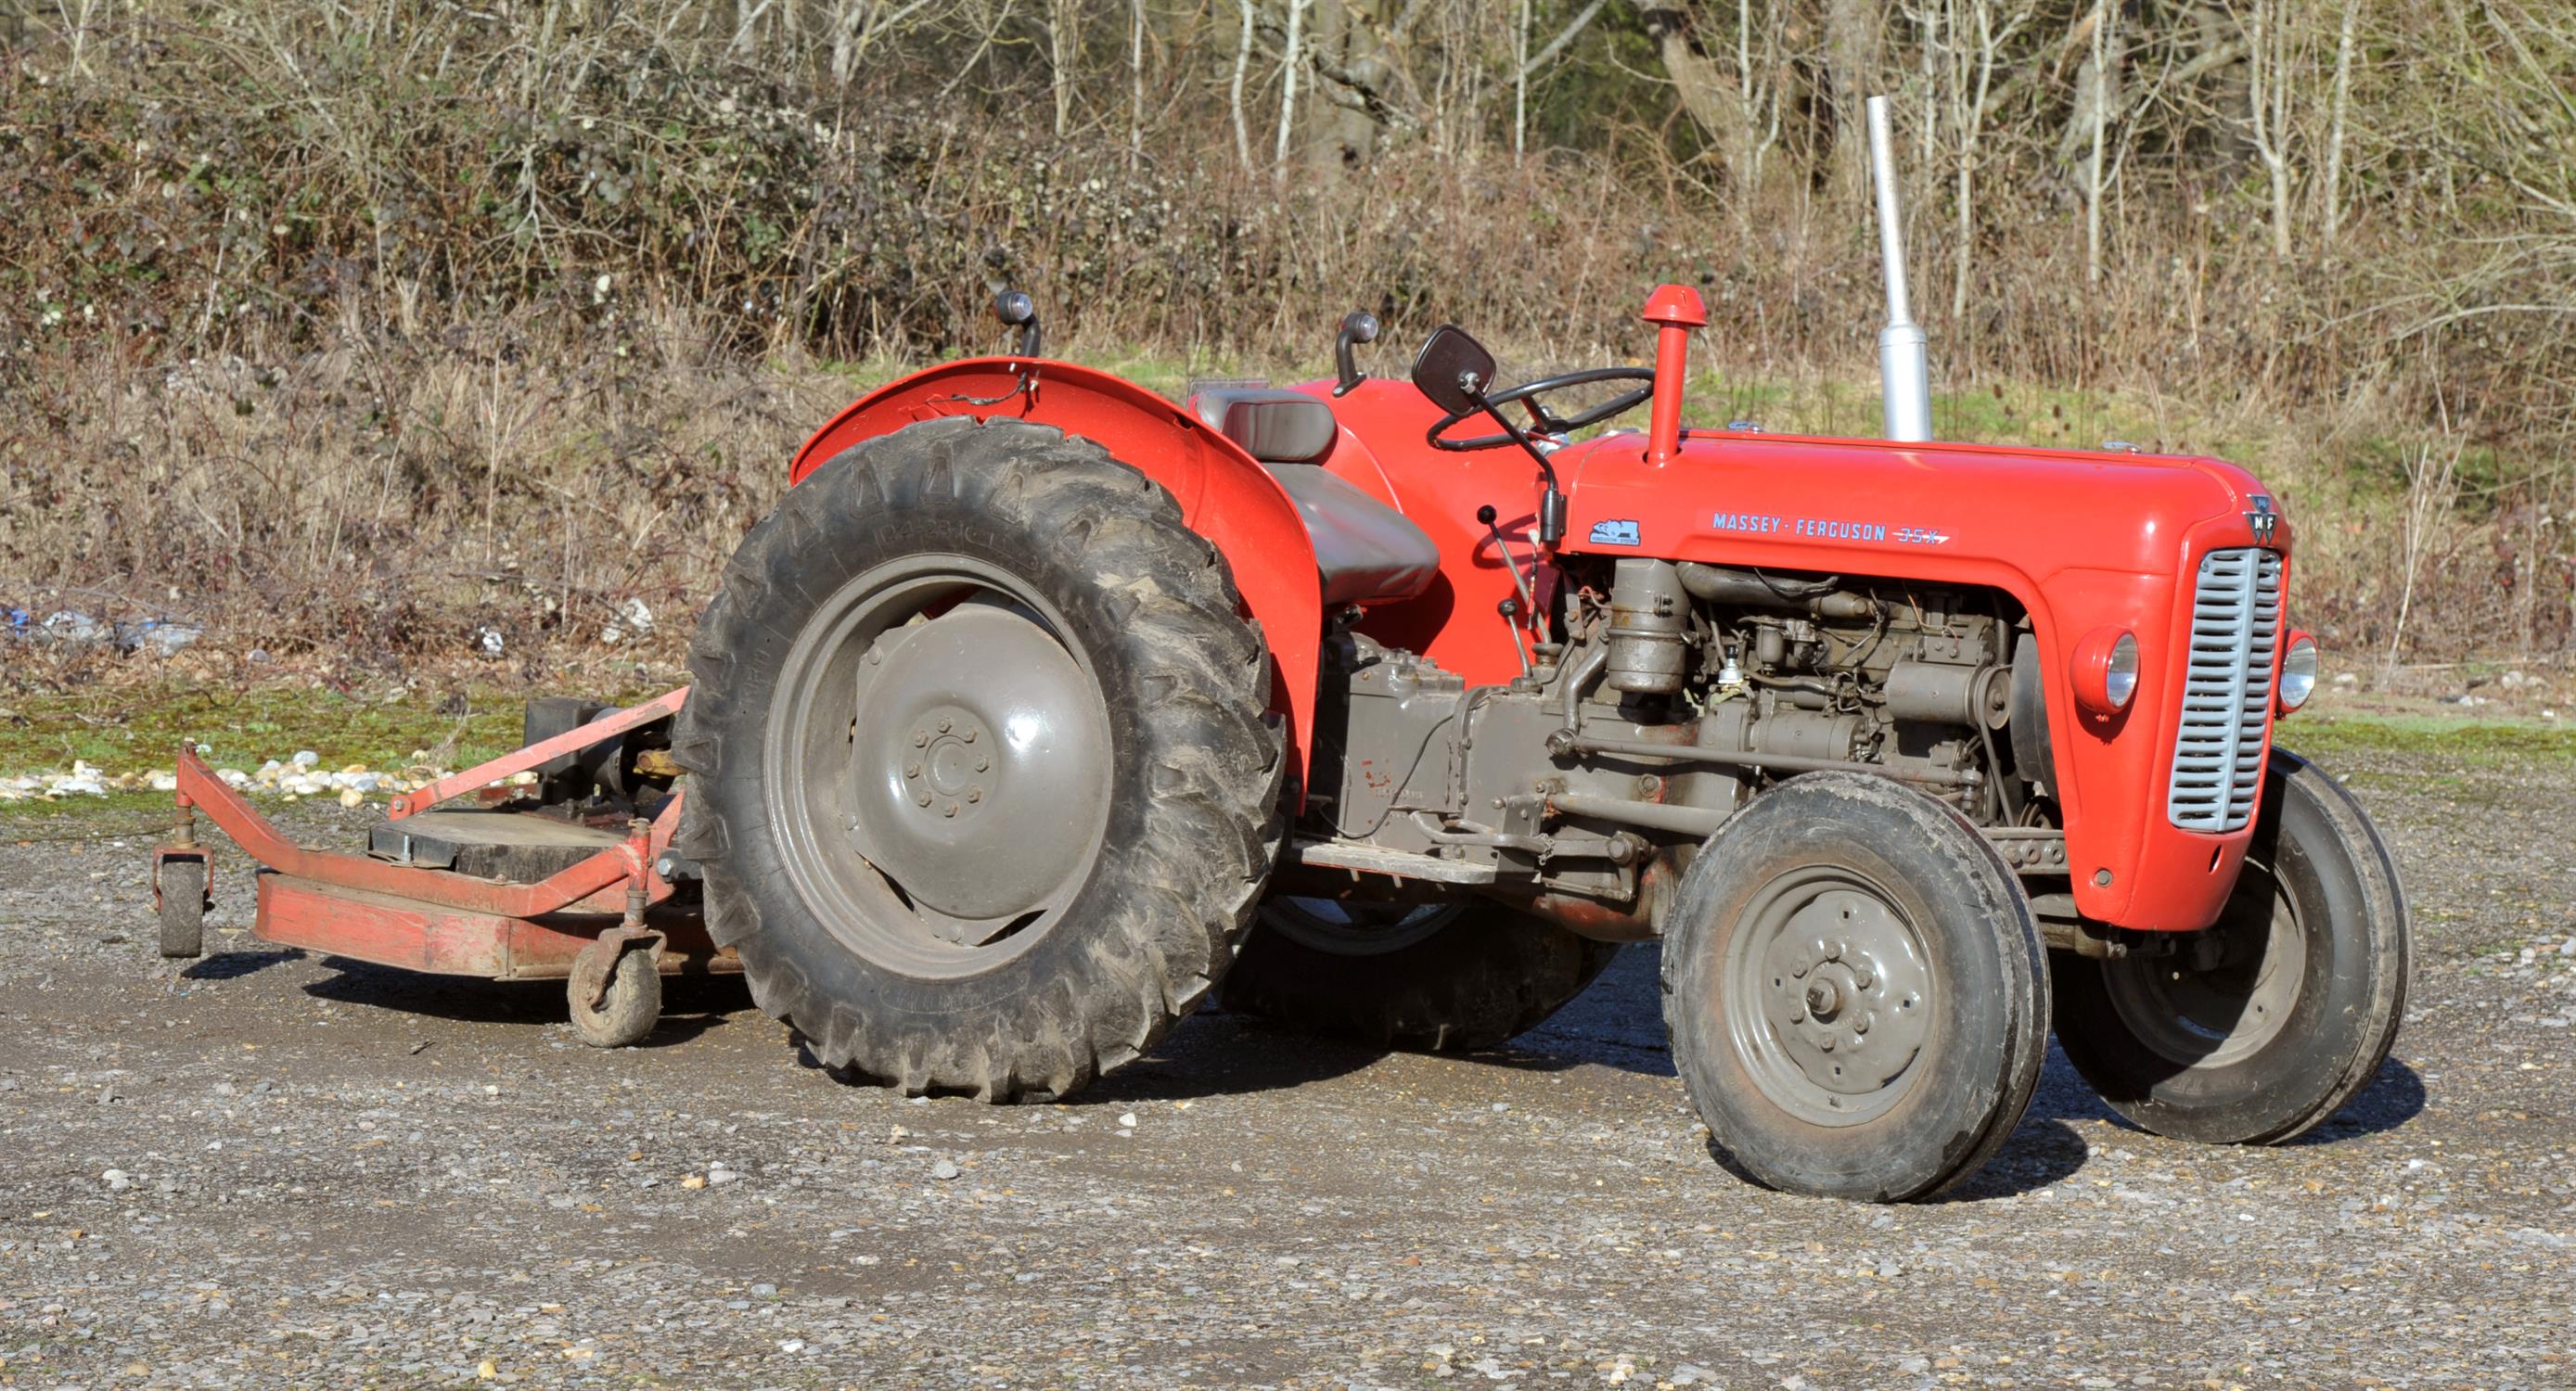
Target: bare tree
{"points": [[1242, 64], [1720, 104], [1852, 34], [1135, 81], [2342, 101], [2105, 64], [1064, 41], [1520, 82], [1288, 88], [859, 25], [1978, 35], [2267, 104]]}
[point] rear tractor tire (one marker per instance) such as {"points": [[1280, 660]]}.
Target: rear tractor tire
{"points": [[1857, 993], [1449, 977], [982, 786], [2284, 1012]]}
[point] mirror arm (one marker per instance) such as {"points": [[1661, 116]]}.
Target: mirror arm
{"points": [[1015, 309], [1358, 326]]}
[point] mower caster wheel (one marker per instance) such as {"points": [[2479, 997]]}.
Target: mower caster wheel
{"points": [[615, 993], [181, 884]]}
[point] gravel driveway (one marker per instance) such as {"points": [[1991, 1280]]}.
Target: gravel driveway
{"points": [[278, 1170]]}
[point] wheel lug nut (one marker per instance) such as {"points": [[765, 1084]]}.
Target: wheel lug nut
{"points": [[945, 724], [923, 796], [970, 735], [982, 763], [974, 794], [920, 737], [912, 770], [1861, 1025], [951, 811], [1826, 1044]]}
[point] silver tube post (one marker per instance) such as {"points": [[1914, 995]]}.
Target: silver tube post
{"points": [[1904, 368]]}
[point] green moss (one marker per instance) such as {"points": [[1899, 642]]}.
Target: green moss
{"points": [[137, 729], [2452, 741], [134, 814]]}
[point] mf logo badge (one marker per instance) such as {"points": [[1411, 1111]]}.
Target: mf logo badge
{"points": [[1619, 533], [2263, 519]]}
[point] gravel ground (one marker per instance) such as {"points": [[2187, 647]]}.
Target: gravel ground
{"points": [[281, 1170]]}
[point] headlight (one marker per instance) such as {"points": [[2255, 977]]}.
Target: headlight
{"points": [[2106, 671], [2298, 672], [2120, 678]]}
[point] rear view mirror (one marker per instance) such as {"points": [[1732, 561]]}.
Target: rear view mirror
{"points": [[1452, 369]]}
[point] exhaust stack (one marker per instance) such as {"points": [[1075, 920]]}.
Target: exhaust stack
{"points": [[1904, 369]]}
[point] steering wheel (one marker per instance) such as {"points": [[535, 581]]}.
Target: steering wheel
{"points": [[1548, 422]]}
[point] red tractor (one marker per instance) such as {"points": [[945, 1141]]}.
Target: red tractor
{"points": [[1044, 707]]}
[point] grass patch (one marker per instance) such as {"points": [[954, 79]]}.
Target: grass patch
{"points": [[134, 730], [2458, 742], [129, 815]]}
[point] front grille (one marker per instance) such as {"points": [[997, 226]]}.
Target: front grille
{"points": [[2227, 691]]}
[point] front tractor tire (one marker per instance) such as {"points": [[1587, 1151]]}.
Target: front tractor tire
{"points": [[1444, 977], [982, 787], [2282, 1011], [1856, 990]]}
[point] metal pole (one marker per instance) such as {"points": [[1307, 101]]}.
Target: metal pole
{"points": [[1904, 368]]}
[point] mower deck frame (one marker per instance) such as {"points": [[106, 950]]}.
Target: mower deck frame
{"points": [[440, 921]]}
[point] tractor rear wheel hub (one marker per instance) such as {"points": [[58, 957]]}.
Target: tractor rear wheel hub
{"points": [[972, 739]]}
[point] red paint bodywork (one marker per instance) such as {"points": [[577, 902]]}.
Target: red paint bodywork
{"points": [[451, 941], [438, 920], [1224, 495], [2078, 539]]}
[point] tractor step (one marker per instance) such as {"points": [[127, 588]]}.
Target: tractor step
{"points": [[1377, 859], [518, 847]]}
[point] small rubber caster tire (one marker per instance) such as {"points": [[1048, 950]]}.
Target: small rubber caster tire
{"points": [[183, 909], [629, 1010]]}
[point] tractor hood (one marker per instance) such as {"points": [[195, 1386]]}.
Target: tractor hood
{"points": [[2084, 542], [1961, 512]]}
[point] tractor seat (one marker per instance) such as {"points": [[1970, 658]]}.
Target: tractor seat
{"points": [[1365, 551]]}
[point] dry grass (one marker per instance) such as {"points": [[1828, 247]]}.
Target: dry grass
{"points": [[357, 348]]}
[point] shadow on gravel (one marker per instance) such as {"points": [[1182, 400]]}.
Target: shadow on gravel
{"points": [[2040, 1153], [2394, 1097], [690, 1007], [1218, 1053], [233, 965]]}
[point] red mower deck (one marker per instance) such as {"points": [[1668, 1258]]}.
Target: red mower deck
{"points": [[575, 923]]}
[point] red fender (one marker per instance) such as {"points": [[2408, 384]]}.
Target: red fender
{"points": [[1224, 495]]}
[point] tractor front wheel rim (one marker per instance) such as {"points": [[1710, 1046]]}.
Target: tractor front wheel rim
{"points": [[2214, 1014], [1832, 996]]}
